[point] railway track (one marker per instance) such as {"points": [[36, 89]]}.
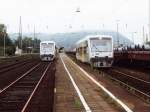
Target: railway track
{"points": [[137, 86], [8, 75], [135, 73], [13, 66], [16, 96], [44, 95], [10, 64]]}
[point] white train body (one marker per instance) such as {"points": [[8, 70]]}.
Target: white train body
{"points": [[97, 50], [47, 50]]}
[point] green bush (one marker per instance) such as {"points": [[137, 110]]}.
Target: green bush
{"points": [[36, 50], [10, 50]]}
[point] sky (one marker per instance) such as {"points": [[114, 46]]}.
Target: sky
{"points": [[58, 16]]}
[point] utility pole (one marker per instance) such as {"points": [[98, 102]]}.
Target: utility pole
{"points": [[34, 38], [117, 22], [149, 18], [126, 33], [133, 36], [103, 26], [143, 35], [4, 45], [33, 44], [4, 41], [20, 34]]}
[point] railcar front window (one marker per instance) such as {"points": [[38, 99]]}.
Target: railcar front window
{"points": [[47, 47], [101, 45], [51, 46]]}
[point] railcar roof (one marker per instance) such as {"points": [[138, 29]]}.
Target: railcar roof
{"points": [[92, 36], [47, 42]]}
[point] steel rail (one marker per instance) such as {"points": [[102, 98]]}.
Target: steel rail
{"points": [[32, 94], [5, 88], [5, 69], [134, 91], [138, 79], [12, 64]]}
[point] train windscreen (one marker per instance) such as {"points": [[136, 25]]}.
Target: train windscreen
{"points": [[101, 45], [47, 47]]}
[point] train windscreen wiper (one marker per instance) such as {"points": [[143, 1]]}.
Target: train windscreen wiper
{"points": [[96, 48]]}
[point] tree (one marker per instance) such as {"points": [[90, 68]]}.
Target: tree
{"points": [[29, 44], [36, 45], [148, 43], [4, 35], [26, 43], [10, 49]]}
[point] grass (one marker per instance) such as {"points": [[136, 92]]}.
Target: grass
{"points": [[111, 101], [77, 103]]}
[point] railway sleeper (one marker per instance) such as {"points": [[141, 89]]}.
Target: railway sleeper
{"points": [[12, 106], [16, 93], [14, 98], [137, 93], [24, 87]]}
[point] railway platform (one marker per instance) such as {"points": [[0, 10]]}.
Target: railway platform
{"points": [[65, 99], [75, 92], [80, 72]]}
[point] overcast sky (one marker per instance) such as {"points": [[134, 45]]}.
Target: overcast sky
{"points": [[54, 16]]}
